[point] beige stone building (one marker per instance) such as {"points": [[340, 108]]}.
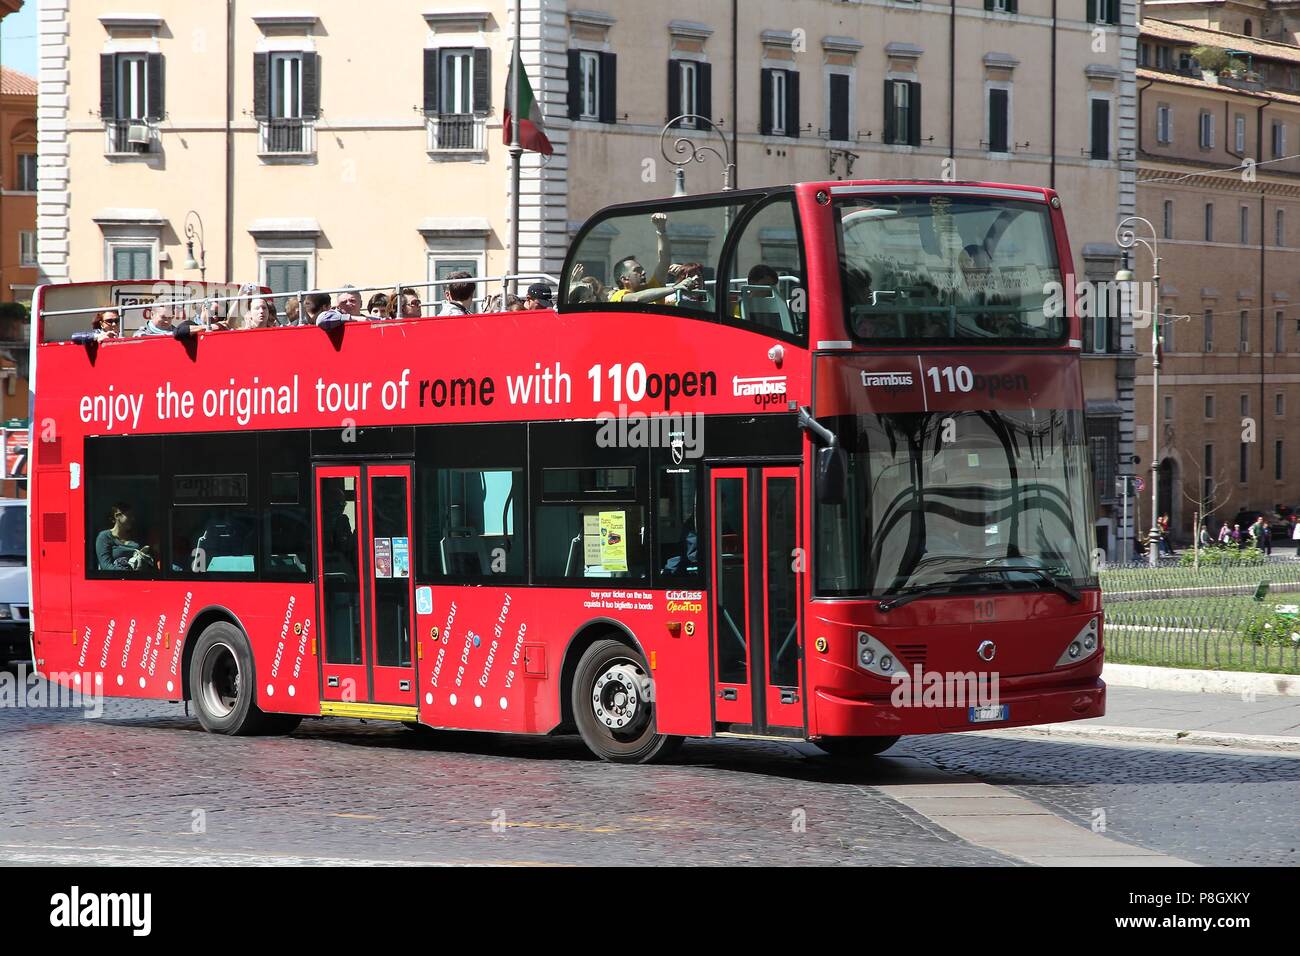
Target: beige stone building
{"points": [[362, 143], [1219, 177]]}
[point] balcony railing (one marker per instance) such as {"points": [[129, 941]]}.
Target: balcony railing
{"points": [[457, 132], [128, 136], [287, 137]]}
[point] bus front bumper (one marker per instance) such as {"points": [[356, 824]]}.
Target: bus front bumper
{"points": [[839, 716]]}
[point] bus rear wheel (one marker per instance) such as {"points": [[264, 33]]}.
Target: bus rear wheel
{"points": [[613, 705], [853, 747], [222, 685]]}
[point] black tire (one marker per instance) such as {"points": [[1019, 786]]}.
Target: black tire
{"points": [[854, 747], [598, 711], [222, 685]]}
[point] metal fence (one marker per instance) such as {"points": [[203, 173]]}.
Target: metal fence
{"points": [[1216, 618]]}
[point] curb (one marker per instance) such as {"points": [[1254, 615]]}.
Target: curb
{"points": [[1154, 735], [1237, 683]]}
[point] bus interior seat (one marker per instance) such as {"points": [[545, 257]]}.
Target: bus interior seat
{"points": [[464, 552], [764, 306]]}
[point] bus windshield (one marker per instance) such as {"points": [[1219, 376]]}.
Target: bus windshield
{"points": [[949, 268], [932, 497]]}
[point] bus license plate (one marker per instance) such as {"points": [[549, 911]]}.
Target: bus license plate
{"points": [[981, 715]]}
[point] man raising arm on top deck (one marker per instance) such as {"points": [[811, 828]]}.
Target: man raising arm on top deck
{"points": [[630, 275]]}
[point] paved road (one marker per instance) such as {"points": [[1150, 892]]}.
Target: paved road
{"points": [[145, 784]]}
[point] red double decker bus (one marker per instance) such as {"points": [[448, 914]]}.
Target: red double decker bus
{"points": [[803, 462]]}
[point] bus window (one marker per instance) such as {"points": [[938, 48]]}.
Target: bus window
{"points": [[589, 507], [123, 508], [469, 492], [765, 285], [945, 268], [285, 470], [469, 529], [677, 543], [654, 257], [214, 521]]}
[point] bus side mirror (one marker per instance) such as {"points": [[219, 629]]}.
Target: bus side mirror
{"points": [[832, 472]]}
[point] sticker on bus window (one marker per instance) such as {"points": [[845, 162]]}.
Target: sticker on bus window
{"points": [[401, 558], [383, 557], [613, 540], [591, 550], [424, 600]]}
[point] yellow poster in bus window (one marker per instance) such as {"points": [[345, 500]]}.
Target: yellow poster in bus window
{"points": [[613, 540]]}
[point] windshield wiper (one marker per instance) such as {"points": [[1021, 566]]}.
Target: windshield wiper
{"points": [[911, 594], [1045, 575]]}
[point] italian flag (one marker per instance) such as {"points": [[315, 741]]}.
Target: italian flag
{"points": [[532, 135]]}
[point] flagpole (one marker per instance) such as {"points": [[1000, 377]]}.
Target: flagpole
{"points": [[516, 151]]}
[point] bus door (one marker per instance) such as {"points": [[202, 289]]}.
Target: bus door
{"points": [[363, 526], [757, 564]]}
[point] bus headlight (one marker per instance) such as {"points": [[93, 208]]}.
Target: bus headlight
{"points": [[1083, 645], [874, 657]]}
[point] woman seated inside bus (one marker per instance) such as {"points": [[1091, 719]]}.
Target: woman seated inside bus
{"points": [[116, 549], [107, 325]]}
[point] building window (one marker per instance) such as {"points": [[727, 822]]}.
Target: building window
{"points": [[1243, 405], [1000, 6], [1169, 219], [1244, 223], [1167, 333], [130, 99], [27, 248], [593, 89], [1207, 478], [690, 90], [1279, 333], [1100, 145], [1248, 29], [840, 110], [457, 98], [286, 100], [1209, 406], [999, 120], [779, 93], [1279, 228], [1243, 462], [1103, 442], [1164, 124], [1279, 139], [1209, 330], [26, 168], [284, 275], [1277, 460], [1206, 135], [1169, 408], [1209, 222], [1103, 11], [902, 112], [132, 262], [1243, 338], [1163, 58], [1144, 54], [1279, 404], [1239, 133]]}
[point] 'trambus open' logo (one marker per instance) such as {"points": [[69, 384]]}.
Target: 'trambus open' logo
{"points": [[765, 389]]}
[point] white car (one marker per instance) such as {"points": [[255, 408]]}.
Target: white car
{"points": [[15, 624]]}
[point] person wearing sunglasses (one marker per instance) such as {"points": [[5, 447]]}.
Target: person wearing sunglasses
{"points": [[107, 325]]}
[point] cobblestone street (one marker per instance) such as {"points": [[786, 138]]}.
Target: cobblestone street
{"points": [[145, 784]]}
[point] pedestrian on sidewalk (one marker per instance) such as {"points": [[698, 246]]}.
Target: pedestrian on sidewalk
{"points": [[1225, 538], [1295, 533], [1266, 536]]}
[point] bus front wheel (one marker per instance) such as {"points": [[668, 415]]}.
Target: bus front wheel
{"points": [[850, 747], [222, 686], [613, 705]]}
